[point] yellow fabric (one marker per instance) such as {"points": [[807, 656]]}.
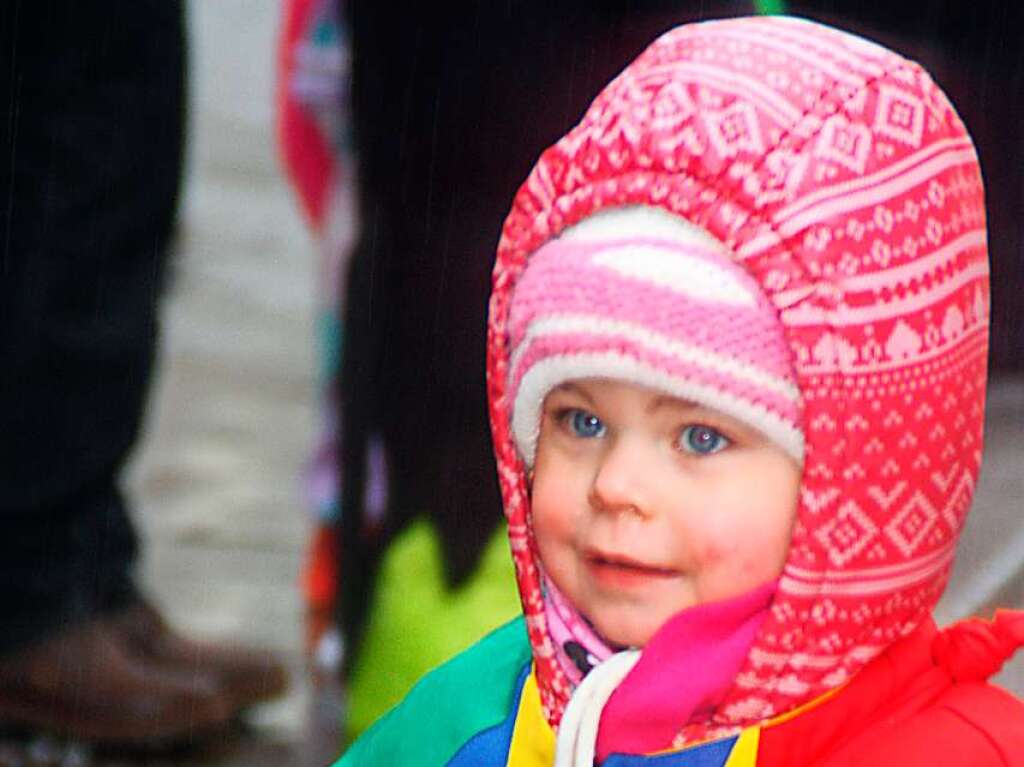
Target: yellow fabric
{"points": [[793, 714], [744, 753], [533, 740]]}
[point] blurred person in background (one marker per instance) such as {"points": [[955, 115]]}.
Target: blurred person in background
{"points": [[92, 145]]}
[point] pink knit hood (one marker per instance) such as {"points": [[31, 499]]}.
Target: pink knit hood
{"points": [[844, 183]]}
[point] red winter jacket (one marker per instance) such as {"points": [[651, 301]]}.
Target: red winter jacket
{"points": [[924, 702]]}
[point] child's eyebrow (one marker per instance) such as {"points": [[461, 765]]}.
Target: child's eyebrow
{"points": [[570, 387], [668, 401]]}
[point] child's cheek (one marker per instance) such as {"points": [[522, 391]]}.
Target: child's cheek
{"points": [[720, 535], [733, 565], [717, 549]]}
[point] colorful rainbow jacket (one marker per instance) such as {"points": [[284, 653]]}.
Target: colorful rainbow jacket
{"points": [[923, 702]]}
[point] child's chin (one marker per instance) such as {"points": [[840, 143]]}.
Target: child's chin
{"points": [[626, 631]]}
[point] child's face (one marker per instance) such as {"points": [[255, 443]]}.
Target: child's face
{"points": [[645, 504]]}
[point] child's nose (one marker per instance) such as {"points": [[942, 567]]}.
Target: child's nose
{"points": [[619, 484]]}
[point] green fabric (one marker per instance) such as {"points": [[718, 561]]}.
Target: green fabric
{"points": [[329, 337], [416, 623], [470, 693], [770, 7]]}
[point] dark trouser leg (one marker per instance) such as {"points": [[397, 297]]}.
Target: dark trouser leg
{"points": [[91, 157]]}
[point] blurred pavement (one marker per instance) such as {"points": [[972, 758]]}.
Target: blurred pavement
{"points": [[217, 481]]}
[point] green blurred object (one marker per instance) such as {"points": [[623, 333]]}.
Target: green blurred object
{"points": [[770, 7], [477, 687], [416, 623]]}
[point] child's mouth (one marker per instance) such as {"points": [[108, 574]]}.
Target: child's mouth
{"points": [[624, 572]]}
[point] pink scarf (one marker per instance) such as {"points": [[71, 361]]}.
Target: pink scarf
{"points": [[685, 669]]}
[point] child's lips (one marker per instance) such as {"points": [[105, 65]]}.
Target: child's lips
{"points": [[620, 571]]}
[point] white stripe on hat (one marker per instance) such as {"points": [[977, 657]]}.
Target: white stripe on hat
{"points": [[682, 273]]}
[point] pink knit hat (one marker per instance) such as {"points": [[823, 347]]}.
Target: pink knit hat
{"points": [[642, 296]]}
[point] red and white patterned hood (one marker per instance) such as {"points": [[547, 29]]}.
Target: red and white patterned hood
{"points": [[840, 176]]}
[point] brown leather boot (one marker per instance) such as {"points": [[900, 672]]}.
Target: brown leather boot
{"points": [[246, 675], [82, 684]]}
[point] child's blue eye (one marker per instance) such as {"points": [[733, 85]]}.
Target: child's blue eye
{"points": [[702, 440], [584, 424]]}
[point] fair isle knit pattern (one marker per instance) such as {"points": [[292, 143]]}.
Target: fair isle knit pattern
{"points": [[848, 188], [682, 318]]}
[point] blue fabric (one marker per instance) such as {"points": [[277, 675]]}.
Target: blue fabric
{"points": [[489, 748], [709, 755]]}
